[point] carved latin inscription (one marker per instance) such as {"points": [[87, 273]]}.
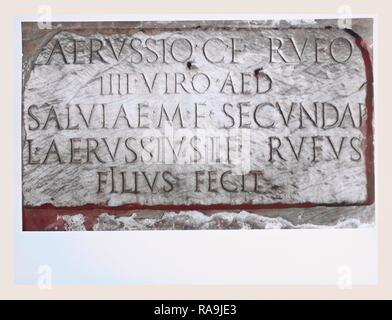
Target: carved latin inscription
{"points": [[198, 116]]}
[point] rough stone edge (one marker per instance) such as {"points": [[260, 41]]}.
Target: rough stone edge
{"points": [[319, 218]]}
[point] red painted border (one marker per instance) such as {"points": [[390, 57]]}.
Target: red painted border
{"points": [[370, 116], [45, 217]]}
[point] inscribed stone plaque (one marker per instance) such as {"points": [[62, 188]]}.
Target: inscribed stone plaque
{"points": [[157, 118]]}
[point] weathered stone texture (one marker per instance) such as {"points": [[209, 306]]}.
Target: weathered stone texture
{"points": [[96, 94]]}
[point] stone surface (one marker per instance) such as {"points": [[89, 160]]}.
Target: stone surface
{"points": [[197, 115], [355, 217]]}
